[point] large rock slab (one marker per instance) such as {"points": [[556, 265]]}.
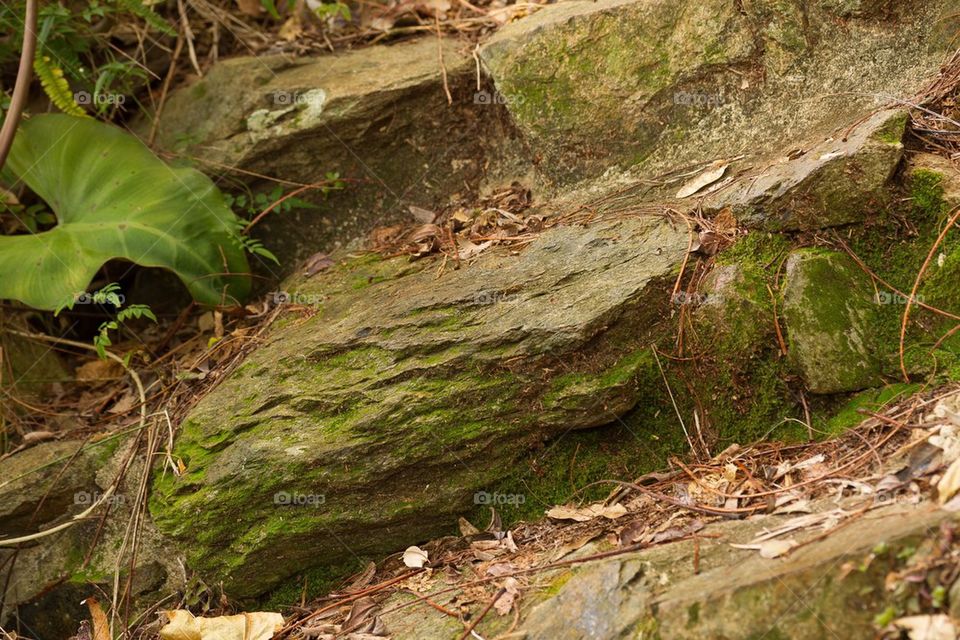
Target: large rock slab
{"points": [[662, 85], [737, 595], [47, 485], [369, 424], [36, 489], [831, 588], [378, 116], [836, 182], [30, 368]]}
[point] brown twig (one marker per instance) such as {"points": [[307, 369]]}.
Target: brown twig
{"points": [[443, 68], [776, 323], [22, 86], [486, 610], [916, 285], [342, 601], [438, 607], [278, 202]]}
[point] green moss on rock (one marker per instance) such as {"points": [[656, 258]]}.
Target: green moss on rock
{"points": [[830, 315]]}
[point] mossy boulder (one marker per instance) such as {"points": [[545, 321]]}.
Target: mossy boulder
{"points": [[652, 87], [933, 183], [831, 314], [587, 80], [370, 424]]}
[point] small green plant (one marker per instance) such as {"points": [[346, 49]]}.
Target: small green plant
{"points": [[75, 52], [31, 218], [333, 10], [252, 245], [249, 205], [55, 86], [109, 295], [885, 617], [270, 7]]}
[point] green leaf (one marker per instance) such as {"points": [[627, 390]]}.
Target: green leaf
{"points": [[114, 199], [271, 8], [266, 253]]}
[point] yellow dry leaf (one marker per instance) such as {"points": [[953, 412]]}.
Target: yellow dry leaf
{"points": [[184, 625], [101, 626], [950, 482], [291, 29]]}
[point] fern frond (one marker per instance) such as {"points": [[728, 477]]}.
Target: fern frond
{"points": [[56, 86], [140, 9]]}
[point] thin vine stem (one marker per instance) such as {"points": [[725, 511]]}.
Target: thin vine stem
{"points": [[22, 86]]}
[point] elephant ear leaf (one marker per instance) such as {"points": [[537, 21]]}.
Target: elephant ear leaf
{"points": [[114, 199]]}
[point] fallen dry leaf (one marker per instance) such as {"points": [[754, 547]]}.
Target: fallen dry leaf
{"points": [[725, 220], [317, 263], [97, 370], [589, 512], [362, 615], [32, 437], [184, 625], [466, 528], [468, 249], [776, 548], [713, 173], [415, 557], [365, 577], [101, 626], [127, 402], [632, 532], [291, 29], [421, 215], [934, 627], [950, 482], [504, 603], [250, 7]]}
